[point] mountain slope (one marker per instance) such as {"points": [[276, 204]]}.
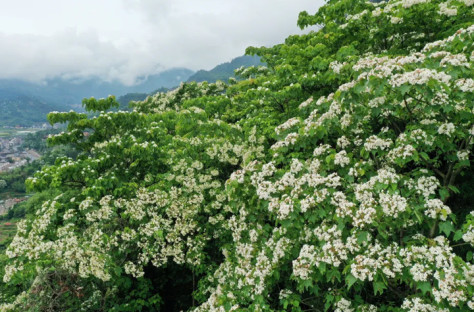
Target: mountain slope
{"points": [[25, 103], [225, 70], [17, 109]]}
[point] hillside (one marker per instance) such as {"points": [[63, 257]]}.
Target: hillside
{"points": [[17, 109], [71, 91], [220, 72], [226, 70], [25, 103]]}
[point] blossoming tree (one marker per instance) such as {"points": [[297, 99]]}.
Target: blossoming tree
{"points": [[336, 178]]}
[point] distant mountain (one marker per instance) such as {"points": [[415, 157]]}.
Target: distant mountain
{"points": [[226, 70], [25, 103], [61, 94], [167, 79], [71, 92], [220, 72], [124, 100], [17, 109]]}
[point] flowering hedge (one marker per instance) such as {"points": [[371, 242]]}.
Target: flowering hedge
{"points": [[336, 178]]}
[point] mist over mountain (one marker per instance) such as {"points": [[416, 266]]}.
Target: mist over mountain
{"points": [[70, 92], [17, 109], [26, 103], [220, 72]]}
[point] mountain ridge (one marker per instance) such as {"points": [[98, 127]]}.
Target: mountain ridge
{"points": [[65, 94], [60, 94], [225, 70]]}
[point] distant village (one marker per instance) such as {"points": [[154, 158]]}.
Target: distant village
{"points": [[6, 204], [12, 156]]}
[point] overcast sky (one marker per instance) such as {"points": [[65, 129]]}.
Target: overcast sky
{"points": [[123, 39]]}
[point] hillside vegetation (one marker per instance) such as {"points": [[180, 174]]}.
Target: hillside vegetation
{"points": [[25, 103], [21, 110], [223, 72], [226, 70], [337, 177]]}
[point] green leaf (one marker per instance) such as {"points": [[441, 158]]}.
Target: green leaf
{"points": [[444, 193], [329, 158], [454, 189], [446, 227], [424, 287], [424, 156], [350, 280], [416, 156], [458, 235], [159, 234], [322, 267], [329, 300], [379, 287], [404, 88], [362, 237]]}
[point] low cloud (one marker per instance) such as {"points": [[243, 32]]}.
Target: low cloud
{"points": [[71, 54], [162, 34], [201, 34]]}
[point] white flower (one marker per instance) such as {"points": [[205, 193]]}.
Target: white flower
{"points": [[466, 85], [447, 129], [374, 142], [343, 305], [341, 159], [455, 60], [336, 66], [427, 186], [287, 125], [343, 142], [418, 77], [463, 155], [468, 237], [444, 10], [408, 3], [392, 205], [396, 20], [436, 208], [377, 12]]}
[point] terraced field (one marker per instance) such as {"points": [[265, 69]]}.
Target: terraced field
{"points": [[11, 132], [7, 229]]}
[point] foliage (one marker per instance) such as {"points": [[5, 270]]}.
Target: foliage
{"points": [[27, 103], [336, 178], [37, 140]]}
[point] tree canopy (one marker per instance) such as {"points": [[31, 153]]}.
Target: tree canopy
{"points": [[338, 177]]}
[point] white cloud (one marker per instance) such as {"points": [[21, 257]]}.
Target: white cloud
{"points": [[200, 34], [122, 40], [70, 54]]}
